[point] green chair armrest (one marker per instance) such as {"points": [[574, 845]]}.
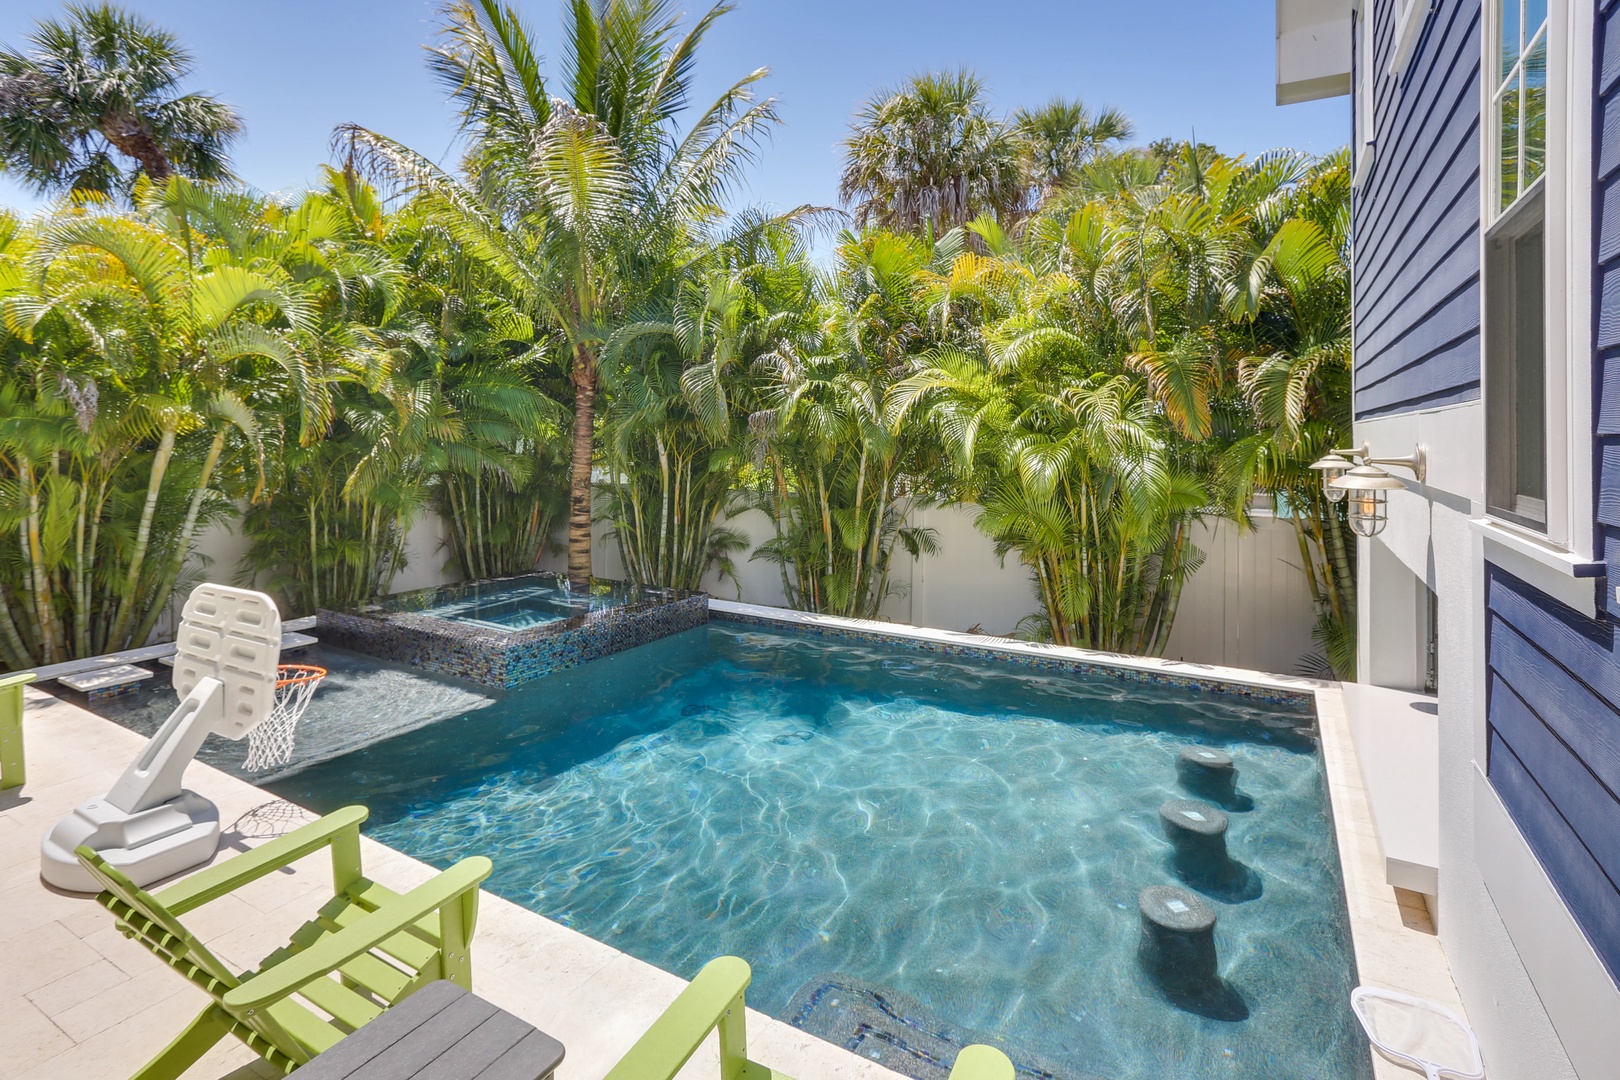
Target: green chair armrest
{"points": [[217, 881], [329, 954], [676, 1035], [18, 679], [981, 1062]]}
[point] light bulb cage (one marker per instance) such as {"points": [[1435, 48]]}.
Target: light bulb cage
{"points": [[1368, 488], [1369, 512], [1333, 465]]}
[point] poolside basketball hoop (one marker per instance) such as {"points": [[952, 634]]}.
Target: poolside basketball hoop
{"points": [[228, 677], [271, 743]]}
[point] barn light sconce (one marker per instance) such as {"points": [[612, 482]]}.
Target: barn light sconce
{"points": [[1367, 485], [1334, 464]]}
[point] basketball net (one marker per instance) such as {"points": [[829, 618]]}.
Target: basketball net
{"points": [[271, 743]]}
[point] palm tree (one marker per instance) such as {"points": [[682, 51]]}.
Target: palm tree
{"points": [[103, 82], [1296, 374], [931, 154], [843, 466], [674, 444], [139, 348], [1061, 137], [587, 205]]}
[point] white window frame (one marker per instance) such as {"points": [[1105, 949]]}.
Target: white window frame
{"points": [[1568, 263], [1410, 15], [1366, 93]]}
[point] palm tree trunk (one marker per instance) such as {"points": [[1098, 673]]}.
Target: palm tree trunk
{"points": [[131, 137], [182, 542], [81, 607], [17, 656], [143, 537], [579, 481], [98, 629], [663, 508], [49, 644], [1168, 596], [314, 567], [789, 592], [1341, 580]]}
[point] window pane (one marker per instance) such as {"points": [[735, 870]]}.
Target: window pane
{"points": [[1535, 13], [1515, 366], [1508, 124], [1510, 36], [1535, 113], [1530, 376]]}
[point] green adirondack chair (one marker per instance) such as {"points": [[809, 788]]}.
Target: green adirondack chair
{"points": [[716, 1000], [363, 950]]}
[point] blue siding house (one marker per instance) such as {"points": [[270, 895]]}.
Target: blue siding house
{"points": [[1485, 136]]}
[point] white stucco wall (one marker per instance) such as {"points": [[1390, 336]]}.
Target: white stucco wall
{"points": [[220, 549], [1248, 606]]}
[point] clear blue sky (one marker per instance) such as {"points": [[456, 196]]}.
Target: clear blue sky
{"points": [[296, 68]]}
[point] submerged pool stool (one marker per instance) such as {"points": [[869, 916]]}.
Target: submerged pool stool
{"points": [[1178, 940], [1208, 772], [148, 827], [1197, 831]]}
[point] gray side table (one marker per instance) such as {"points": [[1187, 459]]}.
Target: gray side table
{"points": [[441, 1032]]}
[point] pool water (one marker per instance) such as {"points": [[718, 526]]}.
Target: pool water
{"points": [[519, 603], [966, 835], [361, 700]]}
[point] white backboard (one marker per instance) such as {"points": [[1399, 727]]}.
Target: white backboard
{"points": [[233, 635]]}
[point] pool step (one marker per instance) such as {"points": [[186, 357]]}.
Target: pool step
{"points": [[290, 642], [898, 1032], [107, 682]]}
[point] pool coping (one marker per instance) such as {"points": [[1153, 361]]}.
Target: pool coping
{"points": [[592, 997]]}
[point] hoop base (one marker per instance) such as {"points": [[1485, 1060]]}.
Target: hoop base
{"points": [[147, 846]]}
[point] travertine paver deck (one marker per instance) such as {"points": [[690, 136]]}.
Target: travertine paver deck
{"points": [[77, 1000], [1396, 946]]}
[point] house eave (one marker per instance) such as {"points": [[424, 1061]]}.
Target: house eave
{"points": [[1313, 50]]}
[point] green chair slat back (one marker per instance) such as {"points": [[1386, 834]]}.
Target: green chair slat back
{"points": [[715, 1001], [360, 952], [13, 766]]}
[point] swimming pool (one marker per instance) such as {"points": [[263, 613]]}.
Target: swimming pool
{"points": [[952, 846], [518, 603]]}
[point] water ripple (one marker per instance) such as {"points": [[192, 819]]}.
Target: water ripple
{"points": [[971, 835]]}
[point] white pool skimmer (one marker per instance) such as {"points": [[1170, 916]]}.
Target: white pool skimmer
{"points": [[1418, 1033]]}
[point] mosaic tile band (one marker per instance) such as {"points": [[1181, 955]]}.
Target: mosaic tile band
{"points": [[506, 659]]}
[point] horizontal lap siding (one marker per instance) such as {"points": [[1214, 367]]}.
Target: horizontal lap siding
{"points": [[1416, 222], [1554, 757]]}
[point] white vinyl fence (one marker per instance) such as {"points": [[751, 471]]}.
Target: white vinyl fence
{"points": [[1248, 606]]}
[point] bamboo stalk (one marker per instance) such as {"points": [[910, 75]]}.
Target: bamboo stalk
{"points": [[143, 536], [182, 542]]}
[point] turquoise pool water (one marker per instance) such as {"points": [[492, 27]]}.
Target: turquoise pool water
{"points": [[964, 838]]}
